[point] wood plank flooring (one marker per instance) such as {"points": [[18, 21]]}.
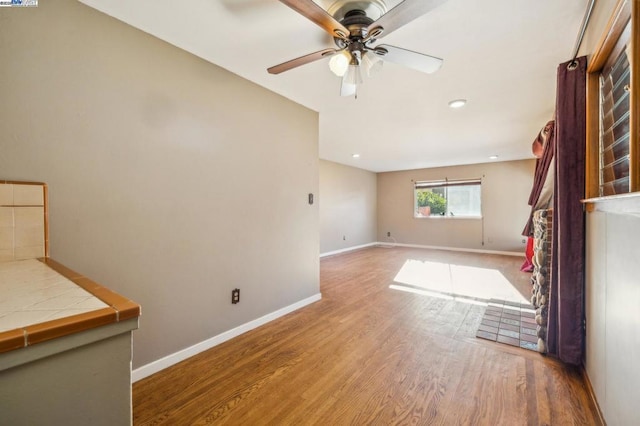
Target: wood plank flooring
{"points": [[369, 354]]}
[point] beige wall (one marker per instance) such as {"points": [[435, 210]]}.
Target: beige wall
{"points": [[170, 180], [347, 207], [505, 192], [612, 289]]}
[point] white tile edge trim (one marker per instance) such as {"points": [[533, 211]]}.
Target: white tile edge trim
{"points": [[506, 253], [169, 360], [344, 250]]}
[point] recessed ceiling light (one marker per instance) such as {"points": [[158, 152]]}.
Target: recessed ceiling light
{"points": [[493, 157], [355, 155], [457, 103]]}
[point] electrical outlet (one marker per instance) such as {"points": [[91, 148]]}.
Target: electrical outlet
{"points": [[524, 241], [235, 295], [388, 233]]}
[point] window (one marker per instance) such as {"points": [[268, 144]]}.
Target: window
{"points": [[447, 198], [613, 105], [614, 124]]}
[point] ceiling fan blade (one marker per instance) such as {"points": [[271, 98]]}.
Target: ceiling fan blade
{"points": [[408, 58], [402, 14], [315, 13], [294, 63]]}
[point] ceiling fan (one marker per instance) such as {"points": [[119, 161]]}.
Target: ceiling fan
{"points": [[355, 25]]}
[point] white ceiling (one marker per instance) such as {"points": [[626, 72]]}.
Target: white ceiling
{"points": [[501, 55]]}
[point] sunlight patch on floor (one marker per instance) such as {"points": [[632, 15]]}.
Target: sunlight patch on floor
{"points": [[469, 281], [438, 295]]}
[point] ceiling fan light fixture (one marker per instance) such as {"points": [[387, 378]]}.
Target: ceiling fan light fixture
{"points": [[354, 71], [457, 103], [354, 75], [348, 89], [339, 63], [372, 64]]}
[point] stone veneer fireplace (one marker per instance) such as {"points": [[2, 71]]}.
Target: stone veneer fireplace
{"points": [[541, 277]]}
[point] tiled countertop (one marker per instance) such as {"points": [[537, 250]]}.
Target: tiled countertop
{"points": [[41, 300]]}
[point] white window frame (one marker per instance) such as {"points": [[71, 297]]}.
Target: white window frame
{"points": [[445, 183]]}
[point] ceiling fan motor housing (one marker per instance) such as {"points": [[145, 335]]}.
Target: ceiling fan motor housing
{"points": [[374, 9], [357, 21], [356, 16]]}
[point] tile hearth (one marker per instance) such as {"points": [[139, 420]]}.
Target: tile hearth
{"points": [[510, 323]]}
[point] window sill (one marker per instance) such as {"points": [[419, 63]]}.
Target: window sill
{"points": [[622, 203], [448, 217]]}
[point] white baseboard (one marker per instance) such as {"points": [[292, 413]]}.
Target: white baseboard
{"points": [[169, 360], [506, 253], [344, 250]]}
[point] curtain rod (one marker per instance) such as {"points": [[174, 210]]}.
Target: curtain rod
{"points": [[583, 29]]}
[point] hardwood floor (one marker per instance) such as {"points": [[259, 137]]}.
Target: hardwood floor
{"points": [[370, 354]]}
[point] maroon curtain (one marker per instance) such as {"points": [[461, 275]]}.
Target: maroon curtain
{"points": [[545, 141], [566, 301]]}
